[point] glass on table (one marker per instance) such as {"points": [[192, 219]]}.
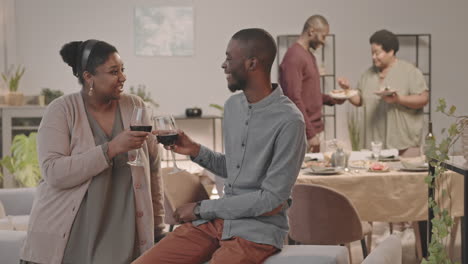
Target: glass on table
{"points": [[167, 134], [376, 147]]}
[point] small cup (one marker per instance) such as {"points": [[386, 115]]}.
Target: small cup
{"points": [[376, 148]]}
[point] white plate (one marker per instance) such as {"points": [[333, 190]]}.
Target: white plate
{"points": [[419, 169], [343, 95], [328, 171], [359, 164], [388, 159], [385, 92], [371, 170]]}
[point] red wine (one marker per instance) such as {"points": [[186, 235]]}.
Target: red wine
{"points": [[141, 128], [168, 139]]}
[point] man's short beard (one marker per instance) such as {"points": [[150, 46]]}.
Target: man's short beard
{"points": [[239, 86], [313, 45]]}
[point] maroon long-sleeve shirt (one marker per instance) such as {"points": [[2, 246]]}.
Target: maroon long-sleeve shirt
{"points": [[300, 80]]}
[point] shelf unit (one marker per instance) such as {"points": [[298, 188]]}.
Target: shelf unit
{"points": [[326, 61], [417, 49]]}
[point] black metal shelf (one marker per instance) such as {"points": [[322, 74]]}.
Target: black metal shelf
{"points": [[417, 38]]}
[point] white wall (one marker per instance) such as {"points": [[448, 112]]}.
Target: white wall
{"points": [[7, 34], [42, 27]]}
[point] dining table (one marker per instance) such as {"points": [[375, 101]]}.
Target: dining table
{"points": [[396, 195]]}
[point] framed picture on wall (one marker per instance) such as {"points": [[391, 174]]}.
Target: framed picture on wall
{"points": [[164, 31]]}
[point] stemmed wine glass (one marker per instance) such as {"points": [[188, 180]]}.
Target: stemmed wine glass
{"points": [[141, 121], [167, 134]]}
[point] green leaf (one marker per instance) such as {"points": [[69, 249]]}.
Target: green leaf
{"points": [[23, 162], [453, 130], [442, 105], [7, 162], [444, 193], [452, 110], [12, 80]]}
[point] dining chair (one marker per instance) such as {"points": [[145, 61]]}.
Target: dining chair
{"points": [[387, 252], [323, 216], [180, 188]]}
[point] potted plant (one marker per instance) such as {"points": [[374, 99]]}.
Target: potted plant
{"points": [[437, 152], [353, 129], [146, 96], [23, 162], [50, 95], [12, 78], [218, 107]]}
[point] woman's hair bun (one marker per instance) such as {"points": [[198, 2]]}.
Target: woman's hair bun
{"points": [[70, 52]]}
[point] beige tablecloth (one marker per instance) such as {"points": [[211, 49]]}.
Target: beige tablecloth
{"points": [[394, 196]]}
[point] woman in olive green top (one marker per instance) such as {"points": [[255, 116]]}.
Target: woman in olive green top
{"points": [[396, 117]]}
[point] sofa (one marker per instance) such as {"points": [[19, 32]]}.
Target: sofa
{"points": [[15, 207], [16, 204]]}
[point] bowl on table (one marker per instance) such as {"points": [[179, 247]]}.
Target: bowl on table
{"points": [[414, 163]]}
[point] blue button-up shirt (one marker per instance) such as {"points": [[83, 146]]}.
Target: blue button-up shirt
{"points": [[265, 145]]}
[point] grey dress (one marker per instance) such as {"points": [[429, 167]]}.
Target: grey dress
{"points": [[104, 230]]}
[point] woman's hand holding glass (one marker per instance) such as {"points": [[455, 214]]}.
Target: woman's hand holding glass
{"points": [[126, 141], [140, 122]]}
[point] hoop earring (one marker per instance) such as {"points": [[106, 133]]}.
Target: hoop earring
{"points": [[90, 93]]}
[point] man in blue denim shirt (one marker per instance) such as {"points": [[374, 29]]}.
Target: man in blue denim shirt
{"points": [[265, 144]]}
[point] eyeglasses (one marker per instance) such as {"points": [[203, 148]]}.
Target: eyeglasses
{"points": [[114, 72]]}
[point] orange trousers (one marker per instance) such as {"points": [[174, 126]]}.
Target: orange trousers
{"points": [[190, 244]]}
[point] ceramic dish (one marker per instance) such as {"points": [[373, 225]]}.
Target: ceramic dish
{"points": [[383, 170], [378, 167], [385, 92], [419, 169], [323, 171], [343, 94], [359, 164]]}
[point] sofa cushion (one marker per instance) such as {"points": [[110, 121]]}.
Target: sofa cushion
{"points": [[306, 254], [17, 201], [11, 243], [19, 222], [5, 224]]}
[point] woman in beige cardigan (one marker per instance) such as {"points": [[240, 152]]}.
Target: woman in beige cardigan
{"points": [[91, 206]]}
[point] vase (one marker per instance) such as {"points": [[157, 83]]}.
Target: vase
{"points": [[14, 98]]}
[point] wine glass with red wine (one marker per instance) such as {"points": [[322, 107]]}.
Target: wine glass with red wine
{"points": [[141, 121], [167, 134]]}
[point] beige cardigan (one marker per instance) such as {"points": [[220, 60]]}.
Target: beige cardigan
{"points": [[69, 159]]}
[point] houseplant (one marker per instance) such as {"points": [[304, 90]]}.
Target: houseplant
{"points": [[141, 92], [219, 107], [50, 95], [12, 78], [437, 153], [353, 129], [23, 162]]}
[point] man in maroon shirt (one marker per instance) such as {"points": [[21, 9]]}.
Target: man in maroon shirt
{"points": [[300, 79]]}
